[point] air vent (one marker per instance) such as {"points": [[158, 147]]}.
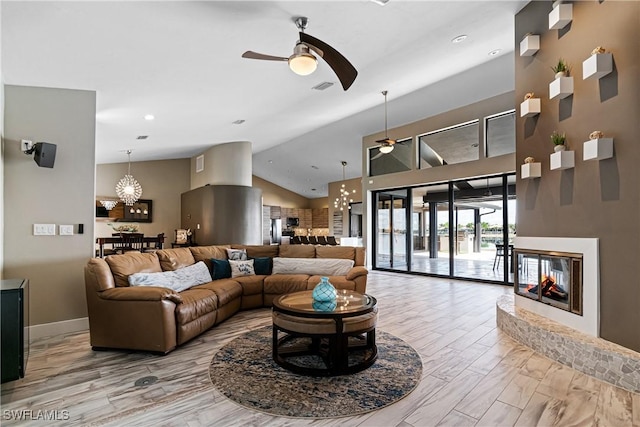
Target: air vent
{"points": [[322, 86], [380, 2], [238, 122], [314, 167], [142, 136]]}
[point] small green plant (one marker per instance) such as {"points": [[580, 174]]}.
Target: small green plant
{"points": [[561, 67], [558, 139]]}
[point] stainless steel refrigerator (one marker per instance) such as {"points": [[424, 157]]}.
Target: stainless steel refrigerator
{"points": [[276, 231]]}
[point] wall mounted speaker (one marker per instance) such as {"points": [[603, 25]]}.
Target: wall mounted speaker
{"points": [[44, 154]]}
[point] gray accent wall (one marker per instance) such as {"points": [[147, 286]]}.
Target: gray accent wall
{"points": [[62, 195], [594, 199]]}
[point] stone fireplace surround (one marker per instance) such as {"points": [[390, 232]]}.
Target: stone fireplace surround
{"points": [[566, 337]]}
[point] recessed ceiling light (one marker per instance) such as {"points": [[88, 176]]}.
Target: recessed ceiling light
{"points": [[460, 38], [238, 122], [270, 161], [142, 136], [314, 167], [380, 2], [494, 52], [149, 117]]}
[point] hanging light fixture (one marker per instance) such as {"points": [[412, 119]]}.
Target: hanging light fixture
{"points": [[487, 192], [386, 144], [128, 189], [344, 199]]}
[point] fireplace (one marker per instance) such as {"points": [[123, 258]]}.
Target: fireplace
{"points": [[549, 277]]}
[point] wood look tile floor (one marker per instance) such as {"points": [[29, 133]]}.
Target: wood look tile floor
{"points": [[473, 374]]}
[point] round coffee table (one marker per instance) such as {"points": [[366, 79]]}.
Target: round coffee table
{"points": [[325, 339]]}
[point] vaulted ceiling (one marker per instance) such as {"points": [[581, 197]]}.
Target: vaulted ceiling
{"points": [[181, 62]]}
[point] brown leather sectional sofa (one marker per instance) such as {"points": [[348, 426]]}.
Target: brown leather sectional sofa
{"points": [[159, 319]]}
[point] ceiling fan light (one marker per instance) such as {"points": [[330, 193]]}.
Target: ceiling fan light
{"points": [[386, 149], [303, 64]]}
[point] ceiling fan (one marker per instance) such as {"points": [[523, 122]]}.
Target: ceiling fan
{"points": [[303, 62], [386, 144]]}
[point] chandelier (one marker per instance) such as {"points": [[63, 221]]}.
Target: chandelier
{"points": [[344, 199], [128, 189]]}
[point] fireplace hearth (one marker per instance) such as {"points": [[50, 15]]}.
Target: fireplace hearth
{"points": [[553, 278]]}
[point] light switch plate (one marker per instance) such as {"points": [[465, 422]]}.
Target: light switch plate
{"points": [[66, 230], [44, 229]]}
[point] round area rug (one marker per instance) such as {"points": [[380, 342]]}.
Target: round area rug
{"points": [[245, 372]]}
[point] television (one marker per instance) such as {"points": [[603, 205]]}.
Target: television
{"points": [[293, 222]]}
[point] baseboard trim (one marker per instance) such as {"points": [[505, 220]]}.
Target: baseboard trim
{"points": [[58, 328]]}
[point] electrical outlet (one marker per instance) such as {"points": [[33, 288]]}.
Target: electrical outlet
{"points": [[25, 144], [66, 230], [44, 229]]}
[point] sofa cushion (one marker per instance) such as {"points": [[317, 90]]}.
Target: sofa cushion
{"points": [[122, 266], [220, 269], [315, 266], [174, 259], [338, 252], [338, 282], [285, 283], [178, 280], [256, 251], [297, 251], [205, 253], [195, 303], [226, 289], [242, 268], [262, 265], [251, 285], [237, 254]]}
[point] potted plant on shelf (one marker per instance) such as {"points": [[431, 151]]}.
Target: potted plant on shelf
{"points": [[559, 141], [561, 68]]}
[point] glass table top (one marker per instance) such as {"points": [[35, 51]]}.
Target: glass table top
{"points": [[346, 302]]}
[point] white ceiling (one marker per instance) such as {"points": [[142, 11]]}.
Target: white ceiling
{"points": [[181, 61]]}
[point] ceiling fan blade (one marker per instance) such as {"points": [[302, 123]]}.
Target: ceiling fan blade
{"points": [[255, 55], [387, 141], [339, 64]]}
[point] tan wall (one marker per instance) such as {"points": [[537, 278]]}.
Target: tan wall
{"points": [[162, 181], [62, 195], [274, 195], [319, 203], [595, 199], [224, 164]]}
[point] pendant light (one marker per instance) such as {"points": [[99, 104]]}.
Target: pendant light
{"points": [[128, 189], [386, 144], [344, 200]]}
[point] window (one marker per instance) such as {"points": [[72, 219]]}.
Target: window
{"points": [[398, 160], [455, 144], [501, 134]]}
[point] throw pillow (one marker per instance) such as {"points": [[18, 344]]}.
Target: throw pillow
{"points": [[237, 254], [262, 265], [220, 269], [178, 280], [242, 268]]}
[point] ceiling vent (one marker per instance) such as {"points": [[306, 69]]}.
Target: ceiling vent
{"points": [[238, 122], [142, 137], [322, 86]]}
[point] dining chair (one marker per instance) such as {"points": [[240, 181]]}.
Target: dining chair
{"points": [[322, 240], [499, 254], [295, 240], [157, 245], [304, 240], [131, 242], [313, 240], [332, 240]]}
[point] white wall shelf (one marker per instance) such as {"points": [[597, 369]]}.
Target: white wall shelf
{"points": [[560, 16], [530, 107], [561, 87], [562, 160], [529, 45], [598, 149], [531, 170], [597, 66]]}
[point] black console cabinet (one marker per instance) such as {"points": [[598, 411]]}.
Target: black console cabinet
{"points": [[14, 321]]}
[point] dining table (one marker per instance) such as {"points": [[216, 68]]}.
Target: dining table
{"points": [[149, 242]]}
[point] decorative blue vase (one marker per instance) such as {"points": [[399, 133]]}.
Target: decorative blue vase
{"points": [[324, 291]]}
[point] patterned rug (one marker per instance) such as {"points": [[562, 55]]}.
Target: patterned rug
{"points": [[245, 372]]}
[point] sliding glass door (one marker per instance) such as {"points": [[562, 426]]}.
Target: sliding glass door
{"points": [[461, 229]]}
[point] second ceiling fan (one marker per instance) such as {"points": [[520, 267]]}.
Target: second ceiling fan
{"points": [[303, 62]]}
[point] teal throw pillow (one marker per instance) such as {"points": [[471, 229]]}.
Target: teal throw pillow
{"points": [[262, 266], [220, 269]]}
